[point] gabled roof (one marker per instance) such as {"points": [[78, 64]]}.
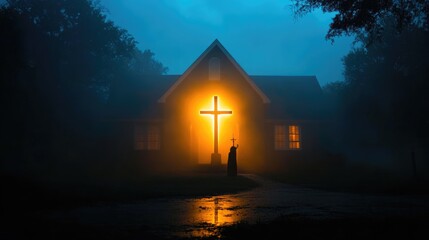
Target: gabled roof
{"points": [[216, 43], [137, 97], [291, 97]]}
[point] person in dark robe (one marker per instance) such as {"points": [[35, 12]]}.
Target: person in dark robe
{"points": [[232, 161]]}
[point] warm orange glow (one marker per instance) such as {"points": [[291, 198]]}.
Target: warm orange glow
{"points": [[217, 211], [200, 127], [202, 130], [294, 145], [216, 112], [294, 137], [191, 134], [213, 211]]}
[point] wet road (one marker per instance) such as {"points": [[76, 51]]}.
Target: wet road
{"points": [[201, 216]]}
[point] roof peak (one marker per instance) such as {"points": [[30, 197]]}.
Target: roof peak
{"points": [[215, 43]]}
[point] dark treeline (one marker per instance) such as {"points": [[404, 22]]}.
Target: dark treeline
{"points": [[59, 62], [367, 16], [384, 95], [379, 112]]}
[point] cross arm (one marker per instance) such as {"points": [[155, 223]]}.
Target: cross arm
{"points": [[224, 112], [207, 112]]}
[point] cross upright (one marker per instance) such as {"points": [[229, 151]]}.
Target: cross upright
{"points": [[215, 158], [233, 140]]}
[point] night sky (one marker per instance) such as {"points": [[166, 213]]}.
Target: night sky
{"points": [[263, 36]]}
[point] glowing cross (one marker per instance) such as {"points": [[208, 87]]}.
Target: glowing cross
{"points": [[215, 113]]}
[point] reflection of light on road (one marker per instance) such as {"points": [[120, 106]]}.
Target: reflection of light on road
{"points": [[217, 211], [208, 213]]}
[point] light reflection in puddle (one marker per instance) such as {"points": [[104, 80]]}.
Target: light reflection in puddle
{"points": [[191, 217], [194, 217], [207, 214], [217, 211]]}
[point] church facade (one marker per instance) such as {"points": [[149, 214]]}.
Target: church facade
{"points": [[183, 121]]}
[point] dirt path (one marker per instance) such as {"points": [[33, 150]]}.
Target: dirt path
{"points": [[201, 216]]}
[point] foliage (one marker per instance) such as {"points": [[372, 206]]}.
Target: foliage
{"points": [[384, 94], [380, 110], [59, 60], [366, 16]]}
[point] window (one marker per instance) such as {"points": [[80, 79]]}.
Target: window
{"points": [[214, 69], [287, 138], [294, 137], [147, 137], [280, 137]]}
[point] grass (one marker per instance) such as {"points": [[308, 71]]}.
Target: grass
{"points": [[25, 202], [334, 175], [29, 194], [24, 198]]}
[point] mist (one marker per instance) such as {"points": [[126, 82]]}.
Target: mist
{"points": [[112, 105], [253, 31]]}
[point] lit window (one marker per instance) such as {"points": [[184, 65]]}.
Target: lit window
{"points": [[214, 69], [294, 137], [280, 137], [147, 138]]}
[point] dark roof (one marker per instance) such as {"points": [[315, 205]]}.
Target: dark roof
{"points": [[292, 97], [138, 97]]}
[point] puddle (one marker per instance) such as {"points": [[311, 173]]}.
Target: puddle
{"points": [[202, 217]]}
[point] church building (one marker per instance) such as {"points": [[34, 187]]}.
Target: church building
{"points": [[188, 120]]}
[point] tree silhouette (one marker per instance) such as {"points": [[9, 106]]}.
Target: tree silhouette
{"points": [[367, 16], [384, 94], [59, 60]]}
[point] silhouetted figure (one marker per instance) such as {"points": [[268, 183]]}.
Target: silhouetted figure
{"points": [[232, 161]]}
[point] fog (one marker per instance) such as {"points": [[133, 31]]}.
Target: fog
{"points": [[107, 95], [263, 36]]}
